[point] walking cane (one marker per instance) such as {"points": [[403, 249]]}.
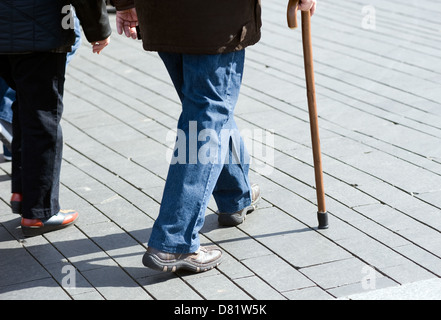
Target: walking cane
{"points": [[322, 214]]}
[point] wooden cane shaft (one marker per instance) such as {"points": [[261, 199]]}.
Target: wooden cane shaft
{"points": [[312, 105]]}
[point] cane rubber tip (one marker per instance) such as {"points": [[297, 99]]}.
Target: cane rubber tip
{"points": [[323, 220]]}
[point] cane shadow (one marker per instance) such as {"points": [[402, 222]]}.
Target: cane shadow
{"points": [[5, 178], [211, 224]]}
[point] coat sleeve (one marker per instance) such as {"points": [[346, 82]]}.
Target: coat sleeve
{"points": [[94, 18], [123, 4]]}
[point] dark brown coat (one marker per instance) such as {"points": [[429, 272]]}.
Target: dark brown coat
{"points": [[197, 26]]}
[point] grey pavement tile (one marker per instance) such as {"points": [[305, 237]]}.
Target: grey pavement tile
{"points": [[11, 226], [167, 286], [233, 268], [126, 214], [85, 186], [387, 216], [424, 236], [7, 241], [70, 99], [278, 273], [217, 287], [340, 229], [121, 187], [424, 257], [237, 243], [17, 265], [305, 248], [42, 250], [311, 293], [337, 273], [372, 251], [82, 252], [429, 289], [366, 284], [89, 295], [70, 279], [114, 284], [88, 121], [405, 203], [279, 174], [431, 197], [40, 289], [407, 272], [290, 203], [5, 209], [343, 212], [380, 233], [258, 289], [268, 222], [119, 245], [387, 168], [88, 214], [346, 193]]}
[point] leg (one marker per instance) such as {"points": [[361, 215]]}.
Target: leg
{"points": [[7, 97], [8, 103], [232, 191], [208, 86], [39, 84]]}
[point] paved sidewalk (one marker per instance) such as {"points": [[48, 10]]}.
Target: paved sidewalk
{"points": [[378, 74]]}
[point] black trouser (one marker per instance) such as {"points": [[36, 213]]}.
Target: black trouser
{"points": [[38, 79]]}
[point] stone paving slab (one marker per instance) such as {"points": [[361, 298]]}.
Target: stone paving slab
{"points": [[422, 290], [380, 122]]}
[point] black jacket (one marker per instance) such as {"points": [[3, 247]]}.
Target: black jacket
{"points": [[197, 26], [42, 25]]}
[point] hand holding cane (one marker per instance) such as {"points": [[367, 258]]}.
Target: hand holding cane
{"points": [[322, 214]]}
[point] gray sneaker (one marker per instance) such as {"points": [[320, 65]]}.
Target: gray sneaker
{"points": [[236, 218], [206, 258]]}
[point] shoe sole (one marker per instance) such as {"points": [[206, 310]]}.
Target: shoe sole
{"points": [[153, 262], [37, 231], [235, 219]]}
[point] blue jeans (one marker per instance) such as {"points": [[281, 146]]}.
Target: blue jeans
{"points": [[7, 97], [209, 157]]}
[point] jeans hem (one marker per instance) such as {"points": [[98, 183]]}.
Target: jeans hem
{"points": [[183, 249], [240, 206]]}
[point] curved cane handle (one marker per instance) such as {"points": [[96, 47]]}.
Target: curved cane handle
{"points": [[293, 6]]}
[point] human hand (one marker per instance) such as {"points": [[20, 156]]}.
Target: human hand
{"points": [[98, 46], [127, 20], [308, 5]]}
